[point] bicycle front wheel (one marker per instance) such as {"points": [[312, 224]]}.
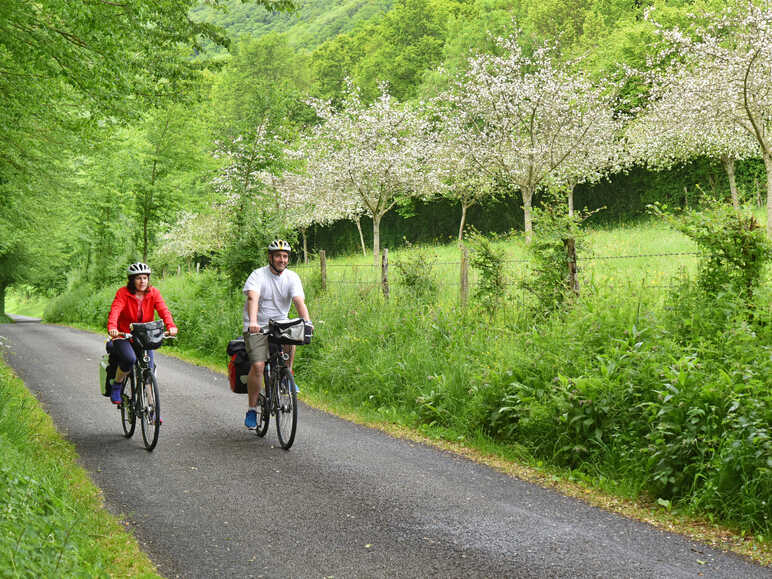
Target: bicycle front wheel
{"points": [[128, 401], [151, 411], [287, 412]]}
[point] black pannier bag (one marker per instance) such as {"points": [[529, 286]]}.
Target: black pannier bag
{"points": [[295, 331], [149, 335], [238, 366]]}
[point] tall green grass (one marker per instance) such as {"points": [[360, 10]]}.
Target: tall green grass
{"points": [[52, 523]]}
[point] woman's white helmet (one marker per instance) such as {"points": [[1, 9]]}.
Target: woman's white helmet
{"points": [[138, 269], [279, 245]]}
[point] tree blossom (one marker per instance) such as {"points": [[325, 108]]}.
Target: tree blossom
{"points": [[455, 173], [728, 65], [245, 158], [683, 120], [373, 153], [532, 122]]}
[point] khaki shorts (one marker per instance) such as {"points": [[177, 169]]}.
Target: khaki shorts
{"points": [[257, 347]]}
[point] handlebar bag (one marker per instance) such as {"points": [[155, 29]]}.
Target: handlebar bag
{"points": [[295, 331], [150, 335]]}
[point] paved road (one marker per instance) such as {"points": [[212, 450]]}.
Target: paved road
{"points": [[213, 500]]}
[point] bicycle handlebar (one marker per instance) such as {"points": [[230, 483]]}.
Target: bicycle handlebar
{"points": [[129, 335]]}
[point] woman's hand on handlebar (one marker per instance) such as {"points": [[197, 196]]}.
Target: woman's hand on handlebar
{"points": [[113, 333], [172, 331], [254, 329]]}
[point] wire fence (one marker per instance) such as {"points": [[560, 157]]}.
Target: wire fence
{"points": [[645, 271]]}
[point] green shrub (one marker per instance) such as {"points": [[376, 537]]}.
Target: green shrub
{"points": [[417, 275], [558, 238], [734, 246], [491, 289]]}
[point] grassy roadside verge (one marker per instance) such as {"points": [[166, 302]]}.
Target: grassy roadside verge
{"points": [[53, 523]]}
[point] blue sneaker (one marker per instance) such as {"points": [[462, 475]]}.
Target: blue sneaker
{"points": [[251, 420], [115, 393]]}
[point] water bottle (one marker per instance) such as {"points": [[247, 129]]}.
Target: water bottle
{"points": [[103, 363]]}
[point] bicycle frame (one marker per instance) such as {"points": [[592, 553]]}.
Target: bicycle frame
{"points": [[142, 399], [280, 398]]}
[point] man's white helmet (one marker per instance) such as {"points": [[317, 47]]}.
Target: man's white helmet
{"points": [[279, 245]]}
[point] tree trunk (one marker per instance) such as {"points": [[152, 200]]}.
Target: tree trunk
{"points": [[527, 199], [768, 167], [376, 238], [2, 299], [463, 222], [361, 236], [570, 193], [304, 233], [728, 163]]}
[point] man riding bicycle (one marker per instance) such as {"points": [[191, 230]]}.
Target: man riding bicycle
{"points": [[270, 291]]}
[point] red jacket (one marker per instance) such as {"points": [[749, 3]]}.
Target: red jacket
{"points": [[125, 310]]}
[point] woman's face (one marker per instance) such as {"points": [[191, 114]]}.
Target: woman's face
{"points": [[141, 282]]}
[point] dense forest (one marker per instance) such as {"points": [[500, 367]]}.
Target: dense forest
{"points": [[185, 140]]}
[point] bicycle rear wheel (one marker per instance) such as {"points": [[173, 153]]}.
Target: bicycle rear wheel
{"points": [[287, 412], [151, 411], [128, 401], [263, 416]]}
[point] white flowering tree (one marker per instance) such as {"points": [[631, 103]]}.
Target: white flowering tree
{"points": [[193, 235], [455, 173], [371, 154], [302, 202], [530, 120], [682, 120], [729, 65]]}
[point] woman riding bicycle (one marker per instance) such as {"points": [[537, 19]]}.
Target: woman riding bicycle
{"points": [[134, 302]]}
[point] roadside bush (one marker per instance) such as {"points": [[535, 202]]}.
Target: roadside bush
{"points": [[491, 288], [417, 275], [558, 238], [735, 248]]}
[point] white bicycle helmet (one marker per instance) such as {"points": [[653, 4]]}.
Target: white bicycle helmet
{"points": [[138, 269], [279, 245]]}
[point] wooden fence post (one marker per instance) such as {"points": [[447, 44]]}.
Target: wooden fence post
{"points": [[573, 281], [464, 276], [323, 265], [385, 273]]}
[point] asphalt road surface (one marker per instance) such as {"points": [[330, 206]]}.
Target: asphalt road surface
{"points": [[213, 500]]}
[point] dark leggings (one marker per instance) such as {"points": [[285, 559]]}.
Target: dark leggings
{"points": [[122, 352]]}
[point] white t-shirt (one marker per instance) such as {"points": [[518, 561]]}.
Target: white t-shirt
{"points": [[275, 294]]}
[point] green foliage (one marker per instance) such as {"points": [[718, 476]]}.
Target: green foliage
{"points": [[491, 288], [416, 274], [735, 248], [557, 241], [310, 24]]}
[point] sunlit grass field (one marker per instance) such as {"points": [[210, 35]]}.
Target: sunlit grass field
{"points": [[645, 256]]}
